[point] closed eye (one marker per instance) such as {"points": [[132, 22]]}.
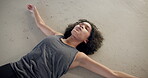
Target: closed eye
{"points": [[86, 26]]}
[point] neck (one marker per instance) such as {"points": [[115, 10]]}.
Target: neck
{"points": [[71, 41]]}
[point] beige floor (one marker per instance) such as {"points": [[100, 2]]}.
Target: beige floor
{"points": [[124, 24]]}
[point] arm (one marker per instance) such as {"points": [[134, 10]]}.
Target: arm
{"points": [[124, 75], [100, 69], [40, 23]]}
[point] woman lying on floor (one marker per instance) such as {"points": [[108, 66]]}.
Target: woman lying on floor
{"points": [[57, 53]]}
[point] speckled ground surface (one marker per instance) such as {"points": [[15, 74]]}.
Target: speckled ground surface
{"points": [[124, 24]]}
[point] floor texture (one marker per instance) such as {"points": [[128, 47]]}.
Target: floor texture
{"points": [[123, 23]]}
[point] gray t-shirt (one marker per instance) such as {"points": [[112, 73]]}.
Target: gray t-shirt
{"points": [[51, 58]]}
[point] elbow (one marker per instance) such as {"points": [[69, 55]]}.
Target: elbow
{"points": [[112, 76], [41, 24], [116, 75]]}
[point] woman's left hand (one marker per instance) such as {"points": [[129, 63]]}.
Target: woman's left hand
{"points": [[31, 7]]}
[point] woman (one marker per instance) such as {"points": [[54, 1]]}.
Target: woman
{"points": [[57, 53]]}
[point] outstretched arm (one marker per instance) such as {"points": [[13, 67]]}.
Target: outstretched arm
{"points": [[90, 64], [124, 75], [40, 23]]}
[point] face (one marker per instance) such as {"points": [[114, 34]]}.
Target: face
{"points": [[82, 31]]}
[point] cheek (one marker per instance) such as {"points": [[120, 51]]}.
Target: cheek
{"points": [[85, 35]]}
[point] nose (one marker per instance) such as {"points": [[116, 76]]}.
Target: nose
{"points": [[81, 25]]}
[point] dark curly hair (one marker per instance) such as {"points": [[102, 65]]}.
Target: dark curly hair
{"points": [[94, 40]]}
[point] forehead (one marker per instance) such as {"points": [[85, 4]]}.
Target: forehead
{"points": [[86, 23]]}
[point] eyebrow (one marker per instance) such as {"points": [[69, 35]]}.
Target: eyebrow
{"points": [[87, 25]]}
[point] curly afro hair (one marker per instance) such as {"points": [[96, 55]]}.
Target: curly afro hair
{"points": [[94, 40]]}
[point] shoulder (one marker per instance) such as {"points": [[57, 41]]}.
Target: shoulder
{"points": [[55, 36], [78, 59], [57, 33], [81, 57], [84, 59]]}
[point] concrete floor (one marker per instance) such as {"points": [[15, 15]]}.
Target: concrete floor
{"points": [[124, 24]]}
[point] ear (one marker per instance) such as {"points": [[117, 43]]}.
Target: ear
{"points": [[85, 41]]}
